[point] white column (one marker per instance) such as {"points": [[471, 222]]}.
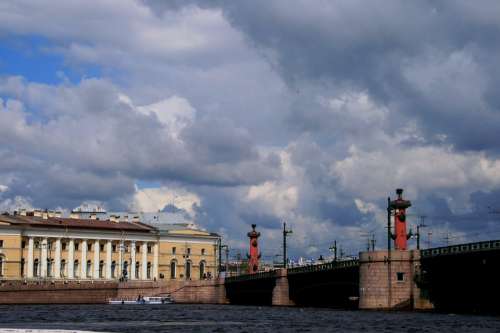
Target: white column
{"points": [[71, 259], [30, 257], [155, 261], [57, 268], [144, 252], [83, 266], [121, 248], [43, 263], [96, 259], [108, 259], [132, 260]]}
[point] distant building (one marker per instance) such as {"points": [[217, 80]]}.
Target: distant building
{"points": [[99, 245]]}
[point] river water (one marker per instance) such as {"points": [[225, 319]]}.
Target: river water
{"points": [[228, 318]]}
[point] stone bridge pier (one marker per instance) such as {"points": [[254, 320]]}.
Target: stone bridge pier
{"points": [[387, 280], [281, 291]]}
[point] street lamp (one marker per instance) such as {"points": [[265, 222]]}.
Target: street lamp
{"points": [[285, 234]]}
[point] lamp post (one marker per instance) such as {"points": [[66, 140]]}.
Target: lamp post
{"points": [[285, 234], [334, 249], [227, 257]]}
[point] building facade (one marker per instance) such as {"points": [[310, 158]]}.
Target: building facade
{"points": [[42, 245]]}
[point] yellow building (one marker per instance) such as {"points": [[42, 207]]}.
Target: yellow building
{"points": [[41, 245]]}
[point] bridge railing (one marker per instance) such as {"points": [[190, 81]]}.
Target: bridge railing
{"points": [[247, 277], [324, 267], [461, 248]]}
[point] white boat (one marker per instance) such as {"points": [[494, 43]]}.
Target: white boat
{"points": [[143, 300]]}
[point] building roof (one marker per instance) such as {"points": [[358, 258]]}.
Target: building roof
{"points": [[57, 222]]}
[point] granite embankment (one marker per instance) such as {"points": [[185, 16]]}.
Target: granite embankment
{"points": [[95, 292]]}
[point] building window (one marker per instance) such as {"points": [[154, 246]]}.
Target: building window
{"points": [[125, 269], [400, 276], [101, 247], [101, 269], [188, 270], [75, 269], [23, 244], [173, 250], [148, 271], [113, 248], [113, 269], [64, 245], [203, 275], [22, 267], [149, 249], [63, 268], [89, 247], [89, 268], [1, 242], [76, 246], [136, 269], [202, 252], [173, 269], [50, 265], [37, 245], [1, 266], [188, 251], [137, 248], [36, 268]]}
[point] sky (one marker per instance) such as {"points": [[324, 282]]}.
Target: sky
{"points": [[237, 112]]}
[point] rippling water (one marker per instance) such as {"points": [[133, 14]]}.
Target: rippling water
{"points": [[227, 318]]}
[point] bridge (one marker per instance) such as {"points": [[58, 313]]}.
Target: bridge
{"points": [[329, 284], [460, 277]]}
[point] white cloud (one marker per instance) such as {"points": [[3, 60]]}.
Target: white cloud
{"points": [[156, 199], [175, 113]]}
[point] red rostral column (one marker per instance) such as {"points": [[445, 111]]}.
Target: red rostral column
{"points": [[399, 206], [253, 258]]}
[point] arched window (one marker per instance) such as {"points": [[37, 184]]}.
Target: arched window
{"points": [[173, 269], [36, 267], [89, 268], [63, 268], [22, 267], [49, 267], [202, 270], [1, 265], [76, 271], [188, 270], [136, 269], [101, 269], [113, 269], [148, 271], [125, 269]]}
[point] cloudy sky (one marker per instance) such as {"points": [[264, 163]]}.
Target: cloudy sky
{"points": [[239, 112]]}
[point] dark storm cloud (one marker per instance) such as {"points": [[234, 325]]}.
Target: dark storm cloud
{"points": [[433, 60]]}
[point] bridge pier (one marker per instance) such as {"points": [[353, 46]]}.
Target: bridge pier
{"points": [[281, 291], [387, 280]]}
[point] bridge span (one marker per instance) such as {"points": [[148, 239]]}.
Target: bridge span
{"points": [[460, 277]]}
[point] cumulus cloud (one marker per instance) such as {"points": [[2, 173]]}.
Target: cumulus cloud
{"points": [[156, 199], [258, 112]]}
